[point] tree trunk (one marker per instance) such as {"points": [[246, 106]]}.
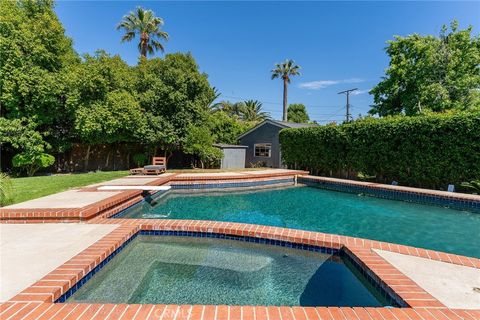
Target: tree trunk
{"points": [[108, 158], [87, 157], [285, 84], [144, 44]]}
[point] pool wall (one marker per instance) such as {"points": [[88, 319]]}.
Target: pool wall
{"points": [[458, 201], [390, 296], [57, 283], [124, 199]]}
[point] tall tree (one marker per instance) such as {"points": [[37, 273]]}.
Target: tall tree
{"points": [[174, 94], [34, 53], [147, 26], [226, 129], [102, 101], [430, 73], [252, 111], [284, 71], [297, 113]]}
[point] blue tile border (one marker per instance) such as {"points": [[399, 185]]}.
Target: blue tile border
{"points": [[392, 298], [122, 212], [387, 293], [378, 192], [230, 184]]}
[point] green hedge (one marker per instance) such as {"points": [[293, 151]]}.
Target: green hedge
{"points": [[424, 151]]}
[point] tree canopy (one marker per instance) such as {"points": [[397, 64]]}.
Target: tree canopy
{"points": [[430, 73], [297, 113], [34, 55], [52, 98]]}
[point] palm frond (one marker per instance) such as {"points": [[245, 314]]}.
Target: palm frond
{"points": [[145, 24], [157, 45], [128, 36]]}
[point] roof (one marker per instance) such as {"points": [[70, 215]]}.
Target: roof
{"points": [[293, 124], [229, 146], [281, 124]]}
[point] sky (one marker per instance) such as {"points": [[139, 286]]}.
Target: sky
{"points": [[339, 45]]}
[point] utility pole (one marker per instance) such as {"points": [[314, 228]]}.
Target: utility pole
{"points": [[348, 116]]}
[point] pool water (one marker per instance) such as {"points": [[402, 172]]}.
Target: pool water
{"points": [[182, 270], [327, 211]]}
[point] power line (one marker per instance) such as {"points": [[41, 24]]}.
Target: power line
{"points": [[276, 103]]}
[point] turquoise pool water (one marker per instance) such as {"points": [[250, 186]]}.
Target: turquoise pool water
{"points": [[331, 212], [176, 270]]}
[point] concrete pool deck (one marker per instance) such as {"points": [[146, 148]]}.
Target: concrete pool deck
{"points": [[434, 285], [30, 251], [454, 285]]}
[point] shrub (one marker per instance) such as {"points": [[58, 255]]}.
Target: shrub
{"points": [[473, 186], [140, 159], [426, 151], [5, 190], [32, 162]]}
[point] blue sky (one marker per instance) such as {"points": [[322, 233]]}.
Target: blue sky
{"points": [[339, 45]]}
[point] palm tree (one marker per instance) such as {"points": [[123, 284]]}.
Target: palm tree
{"points": [[285, 70], [232, 109], [252, 111], [147, 26]]}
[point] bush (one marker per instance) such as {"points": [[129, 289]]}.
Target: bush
{"points": [[5, 190], [32, 162], [140, 159], [425, 151]]}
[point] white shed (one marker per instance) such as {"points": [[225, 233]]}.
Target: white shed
{"points": [[233, 155]]}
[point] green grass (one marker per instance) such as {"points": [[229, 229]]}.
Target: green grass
{"points": [[34, 187]]}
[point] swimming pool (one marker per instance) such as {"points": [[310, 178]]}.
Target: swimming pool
{"points": [[179, 270], [327, 211]]}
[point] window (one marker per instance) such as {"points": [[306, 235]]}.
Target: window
{"points": [[263, 150]]}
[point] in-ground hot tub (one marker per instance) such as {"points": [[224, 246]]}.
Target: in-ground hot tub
{"points": [[207, 270]]}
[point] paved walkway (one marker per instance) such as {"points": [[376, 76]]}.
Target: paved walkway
{"points": [[451, 284], [66, 199], [30, 251]]}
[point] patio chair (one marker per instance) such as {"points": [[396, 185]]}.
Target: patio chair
{"points": [[158, 166]]}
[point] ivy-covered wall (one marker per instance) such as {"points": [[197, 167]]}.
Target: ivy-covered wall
{"points": [[424, 151]]}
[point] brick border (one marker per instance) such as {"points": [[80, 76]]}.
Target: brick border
{"points": [[105, 207], [36, 301], [56, 283], [23, 310], [458, 201]]}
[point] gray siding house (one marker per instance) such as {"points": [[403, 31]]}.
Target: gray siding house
{"points": [[263, 143]]}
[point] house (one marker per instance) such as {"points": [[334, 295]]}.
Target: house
{"points": [[263, 143]]}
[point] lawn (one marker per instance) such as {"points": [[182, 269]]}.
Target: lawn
{"points": [[34, 187]]}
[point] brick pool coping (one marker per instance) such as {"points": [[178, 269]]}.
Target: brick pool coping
{"points": [[124, 199], [421, 305], [36, 301], [374, 185]]}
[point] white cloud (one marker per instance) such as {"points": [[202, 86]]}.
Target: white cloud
{"points": [[357, 92], [320, 84]]}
